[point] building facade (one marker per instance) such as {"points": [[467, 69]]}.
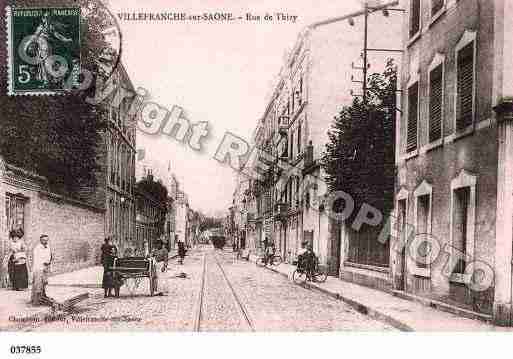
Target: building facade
{"points": [[182, 218], [150, 219], [288, 205], [454, 153], [120, 142]]}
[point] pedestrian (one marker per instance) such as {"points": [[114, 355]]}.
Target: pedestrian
{"points": [[301, 254], [109, 281], [181, 251], [42, 258], [19, 254], [161, 257], [8, 265]]}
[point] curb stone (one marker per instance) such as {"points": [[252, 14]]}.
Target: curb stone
{"points": [[359, 307]]}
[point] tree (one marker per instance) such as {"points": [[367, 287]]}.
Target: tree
{"points": [[155, 189], [57, 136], [360, 155]]}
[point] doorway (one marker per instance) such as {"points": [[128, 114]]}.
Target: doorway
{"points": [[402, 270], [334, 260]]}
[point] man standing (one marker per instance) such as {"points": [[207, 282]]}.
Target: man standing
{"points": [[40, 270], [161, 256]]}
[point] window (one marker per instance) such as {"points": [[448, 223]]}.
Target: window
{"points": [[436, 6], [300, 91], [465, 87], [460, 226], [293, 95], [15, 211], [422, 218], [413, 114], [435, 103], [297, 192], [414, 17], [290, 193], [292, 145], [462, 223], [423, 214], [299, 138]]}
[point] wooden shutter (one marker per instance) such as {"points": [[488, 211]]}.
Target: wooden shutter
{"points": [[436, 6], [465, 113], [414, 17], [435, 103], [413, 107], [299, 138]]}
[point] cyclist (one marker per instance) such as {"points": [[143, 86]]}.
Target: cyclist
{"points": [[270, 251], [301, 256], [309, 261]]}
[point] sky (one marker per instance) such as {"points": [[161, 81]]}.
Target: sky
{"points": [[219, 73]]}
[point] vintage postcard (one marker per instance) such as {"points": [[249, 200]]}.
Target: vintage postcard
{"points": [[242, 166]]}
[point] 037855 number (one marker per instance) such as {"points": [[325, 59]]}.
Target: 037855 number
{"points": [[25, 349]]}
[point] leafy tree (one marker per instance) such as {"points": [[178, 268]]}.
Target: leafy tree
{"points": [[155, 189], [360, 155], [57, 136]]}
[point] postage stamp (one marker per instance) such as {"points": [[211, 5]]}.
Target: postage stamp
{"points": [[43, 50]]}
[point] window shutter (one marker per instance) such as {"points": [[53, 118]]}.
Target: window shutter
{"points": [[299, 138], [413, 105], [465, 113], [414, 17], [436, 6], [435, 104]]}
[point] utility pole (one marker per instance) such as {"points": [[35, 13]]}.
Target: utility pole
{"points": [[365, 45], [368, 10]]}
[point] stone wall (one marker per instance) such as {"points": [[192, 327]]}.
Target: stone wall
{"points": [[75, 229]]}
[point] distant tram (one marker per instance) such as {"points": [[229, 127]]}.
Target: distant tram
{"points": [[217, 238]]}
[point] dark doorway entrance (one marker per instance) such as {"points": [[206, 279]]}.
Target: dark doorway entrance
{"points": [[334, 256], [401, 276]]}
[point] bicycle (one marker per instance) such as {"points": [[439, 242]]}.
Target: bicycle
{"points": [[317, 274], [272, 260]]}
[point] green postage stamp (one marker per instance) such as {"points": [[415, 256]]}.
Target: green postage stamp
{"points": [[43, 50]]}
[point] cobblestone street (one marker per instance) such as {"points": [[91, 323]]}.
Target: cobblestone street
{"points": [[236, 296]]}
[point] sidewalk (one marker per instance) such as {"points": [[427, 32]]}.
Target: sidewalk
{"points": [[16, 311], [402, 314]]}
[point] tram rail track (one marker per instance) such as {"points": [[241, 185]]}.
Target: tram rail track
{"points": [[199, 305], [199, 312]]}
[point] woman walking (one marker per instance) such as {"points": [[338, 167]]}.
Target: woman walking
{"points": [[181, 251], [18, 258], [109, 253]]}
